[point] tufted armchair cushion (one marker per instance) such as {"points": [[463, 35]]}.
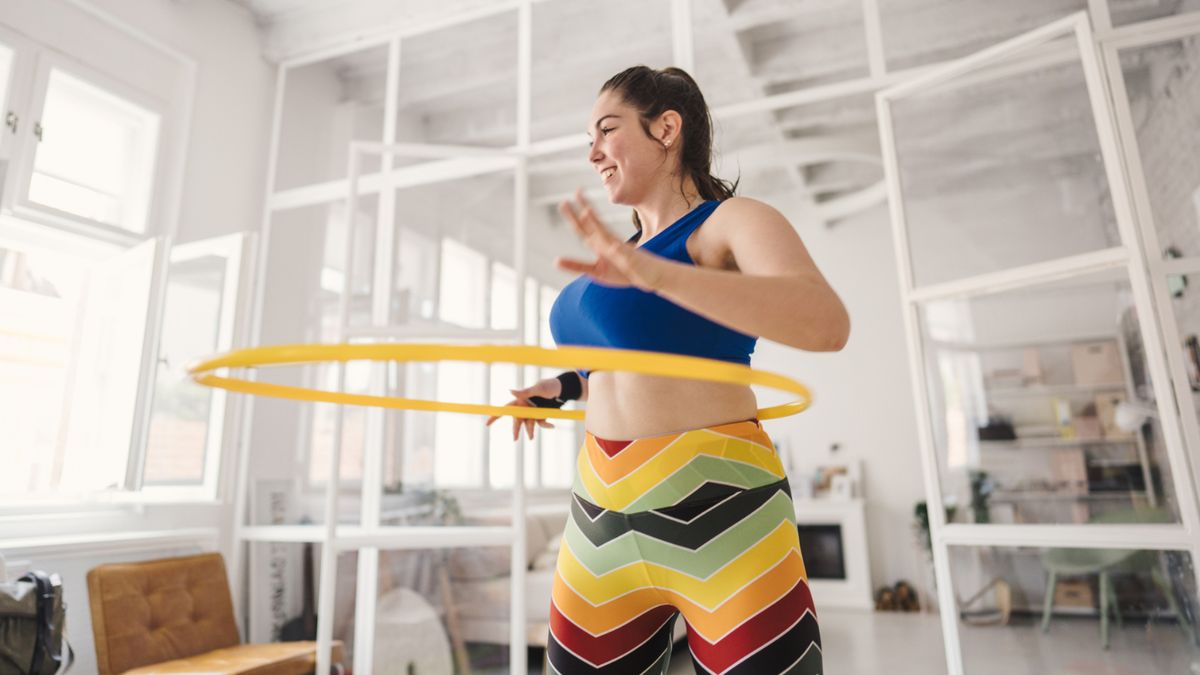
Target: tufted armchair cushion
{"points": [[176, 616]]}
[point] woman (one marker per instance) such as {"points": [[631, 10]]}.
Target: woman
{"points": [[680, 504]]}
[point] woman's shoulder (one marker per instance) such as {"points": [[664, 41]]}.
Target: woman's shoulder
{"points": [[746, 213]]}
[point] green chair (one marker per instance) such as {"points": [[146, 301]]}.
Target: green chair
{"points": [[1105, 562]]}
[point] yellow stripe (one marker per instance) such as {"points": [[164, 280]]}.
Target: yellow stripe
{"points": [[707, 593], [627, 490]]}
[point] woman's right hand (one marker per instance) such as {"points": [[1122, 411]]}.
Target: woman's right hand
{"points": [[547, 388]]}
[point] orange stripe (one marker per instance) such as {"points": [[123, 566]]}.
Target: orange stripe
{"points": [[747, 602], [744, 604], [641, 450]]}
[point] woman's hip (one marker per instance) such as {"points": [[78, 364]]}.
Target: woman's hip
{"points": [[686, 468]]}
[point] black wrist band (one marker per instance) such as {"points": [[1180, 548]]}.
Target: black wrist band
{"points": [[541, 402], [572, 387]]}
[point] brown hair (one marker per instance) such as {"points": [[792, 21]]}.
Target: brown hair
{"points": [[652, 92]]}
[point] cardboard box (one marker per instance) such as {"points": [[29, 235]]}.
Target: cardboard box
{"points": [[1074, 593], [1097, 363]]}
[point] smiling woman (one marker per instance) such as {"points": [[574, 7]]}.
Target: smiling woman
{"points": [[689, 512]]}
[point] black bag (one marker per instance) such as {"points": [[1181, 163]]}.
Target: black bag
{"points": [[32, 615]]}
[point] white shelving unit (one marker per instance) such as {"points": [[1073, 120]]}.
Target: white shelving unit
{"points": [[1009, 58]]}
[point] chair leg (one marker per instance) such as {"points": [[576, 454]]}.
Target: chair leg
{"points": [[1104, 590], [1165, 588], [1116, 606], [1048, 605]]}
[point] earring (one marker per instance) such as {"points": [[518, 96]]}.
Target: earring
{"points": [[666, 144]]}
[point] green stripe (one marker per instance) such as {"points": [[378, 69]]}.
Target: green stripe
{"points": [[696, 473], [702, 563]]}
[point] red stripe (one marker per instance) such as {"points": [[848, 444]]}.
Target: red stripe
{"points": [[613, 644], [611, 448], [754, 633]]}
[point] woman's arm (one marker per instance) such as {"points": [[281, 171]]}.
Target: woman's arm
{"points": [[779, 293]]}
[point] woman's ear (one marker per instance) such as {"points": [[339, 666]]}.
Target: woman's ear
{"points": [[668, 128]]}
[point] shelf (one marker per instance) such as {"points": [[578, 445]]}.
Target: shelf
{"points": [[1015, 345], [1029, 443], [1041, 495], [1054, 390], [350, 537]]}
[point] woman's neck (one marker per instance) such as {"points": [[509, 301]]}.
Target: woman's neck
{"points": [[664, 206]]}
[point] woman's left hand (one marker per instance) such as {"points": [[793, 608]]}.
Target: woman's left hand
{"points": [[617, 263]]}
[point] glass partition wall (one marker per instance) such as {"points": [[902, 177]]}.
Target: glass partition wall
{"points": [[1060, 491], [405, 205]]}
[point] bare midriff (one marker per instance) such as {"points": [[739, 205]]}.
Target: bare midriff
{"points": [[625, 406]]}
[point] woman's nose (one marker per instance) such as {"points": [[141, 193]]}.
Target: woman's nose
{"points": [[594, 154]]}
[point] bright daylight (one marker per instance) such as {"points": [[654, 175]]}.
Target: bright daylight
{"points": [[564, 337]]}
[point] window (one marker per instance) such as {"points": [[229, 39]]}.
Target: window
{"points": [[95, 154], [83, 272], [462, 285], [6, 62], [71, 334], [186, 419]]}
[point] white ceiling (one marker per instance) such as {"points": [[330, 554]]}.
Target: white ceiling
{"points": [[458, 84]]}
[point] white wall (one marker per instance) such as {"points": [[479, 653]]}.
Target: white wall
{"points": [[862, 395], [231, 118], [222, 193]]}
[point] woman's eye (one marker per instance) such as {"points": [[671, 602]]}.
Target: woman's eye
{"points": [[605, 131]]}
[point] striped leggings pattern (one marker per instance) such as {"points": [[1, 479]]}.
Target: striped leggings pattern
{"points": [[699, 524]]}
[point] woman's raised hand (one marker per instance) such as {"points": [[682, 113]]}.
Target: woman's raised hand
{"points": [[547, 388], [617, 263]]}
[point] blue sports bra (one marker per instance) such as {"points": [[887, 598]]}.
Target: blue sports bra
{"points": [[590, 314]]}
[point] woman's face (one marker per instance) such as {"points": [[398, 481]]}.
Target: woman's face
{"points": [[627, 162]]}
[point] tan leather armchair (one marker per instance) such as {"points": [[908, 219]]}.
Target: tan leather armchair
{"points": [[176, 616]]}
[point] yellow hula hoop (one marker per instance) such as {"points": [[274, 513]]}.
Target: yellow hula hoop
{"points": [[627, 360]]}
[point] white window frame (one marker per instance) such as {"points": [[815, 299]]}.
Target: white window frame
{"points": [[16, 103], [47, 61], [236, 249]]}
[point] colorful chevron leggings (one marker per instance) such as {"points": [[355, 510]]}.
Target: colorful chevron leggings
{"points": [[698, 523]]}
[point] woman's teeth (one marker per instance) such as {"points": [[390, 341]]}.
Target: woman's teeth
{"points": [[608, 173]]}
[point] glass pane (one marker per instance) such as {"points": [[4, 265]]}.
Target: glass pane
{"points": [[326, 105], [560, 447], [826, 154], [458, 85], [922, 32], [321, 424], [6, 63], [446, 234], [460, 439], [432, 599], [500, 434], [181, 409], [745, 50], [747, 149], [97, 154], [575, 53], [41, 299], [503, 312], [1187, 317], [1036, 395], [1132, 11], [462, 290], [1161, 80], [1002, 167], [105, 369], [1030, 610], [548, 296]]}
